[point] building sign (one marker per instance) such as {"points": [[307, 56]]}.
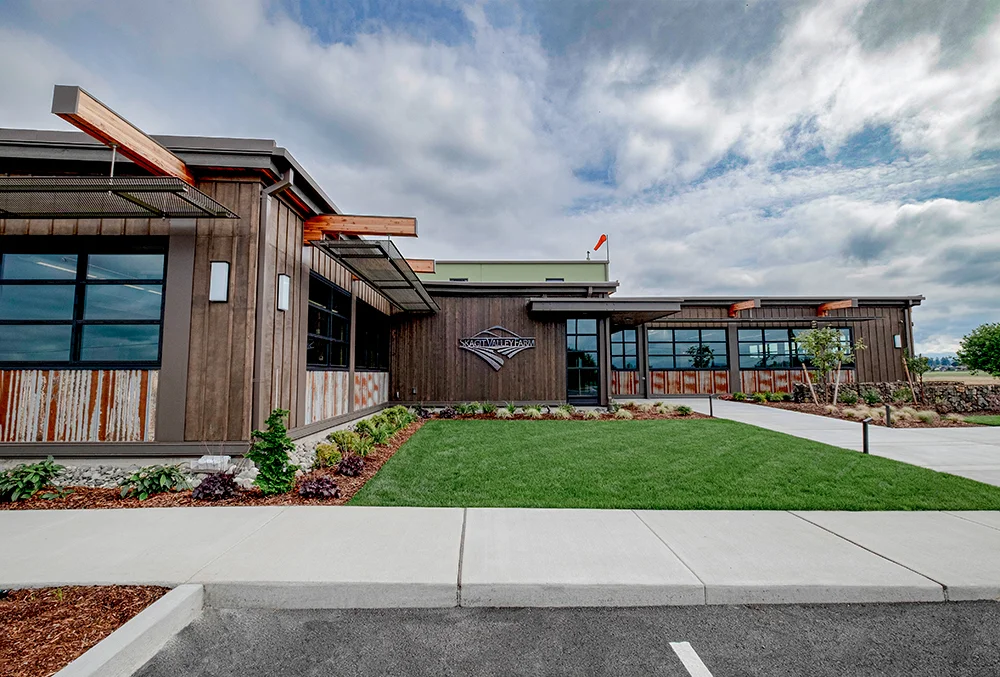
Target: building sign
{"points": [[495, 344]]}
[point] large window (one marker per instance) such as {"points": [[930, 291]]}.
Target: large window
{"points": [[583, 373], [687, 349], [371, 336], [329, 318], [776, 348], [85, 303], [623, 350]]}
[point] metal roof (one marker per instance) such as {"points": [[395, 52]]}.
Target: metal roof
{"points": [[43, 197], [380, 264], [625, 311]]}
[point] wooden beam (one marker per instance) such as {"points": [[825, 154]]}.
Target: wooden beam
{"points": [[399, 226], [824, 308], [735, 309], [421, 265], [80, 109]]}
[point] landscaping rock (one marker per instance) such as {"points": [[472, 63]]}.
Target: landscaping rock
{"points": [[947, 397]]}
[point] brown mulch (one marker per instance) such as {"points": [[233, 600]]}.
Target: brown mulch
{"points": [[819, 410], [42, 630], [637, 415]]}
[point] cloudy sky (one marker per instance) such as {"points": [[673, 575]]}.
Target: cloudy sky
{"points": [[838, 148]]}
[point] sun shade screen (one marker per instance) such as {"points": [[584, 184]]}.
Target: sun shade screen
{"points": [[105, 197]]}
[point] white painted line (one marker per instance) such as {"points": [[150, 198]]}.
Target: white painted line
{"points": [[690, 659]]}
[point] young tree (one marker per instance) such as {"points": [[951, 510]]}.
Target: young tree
{"points": [[827, 350], [980, 350], [918, 366]]}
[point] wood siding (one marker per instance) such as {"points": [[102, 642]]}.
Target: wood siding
{"points": [[78, 405], [688, 382], [428, 366], [84, 227], [327, 394], [371, 388], [780, 380], [625, 383]]}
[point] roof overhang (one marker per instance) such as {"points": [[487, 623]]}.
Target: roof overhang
{"points": [[622, 311], [380, 264], [123, 197]]}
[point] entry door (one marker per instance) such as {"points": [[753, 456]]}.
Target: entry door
{"points": [[583, 372]]}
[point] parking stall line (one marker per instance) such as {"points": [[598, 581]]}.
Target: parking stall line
{"points": [[689, 657]]}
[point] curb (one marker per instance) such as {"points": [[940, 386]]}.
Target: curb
{"points": [[129, 647]]}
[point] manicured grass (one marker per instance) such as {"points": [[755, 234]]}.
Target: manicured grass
{"points": [[695, 464], [984, 420]]}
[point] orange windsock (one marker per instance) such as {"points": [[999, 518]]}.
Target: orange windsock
{"points": [[604, 238]]}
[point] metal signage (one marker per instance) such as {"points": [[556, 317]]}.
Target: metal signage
{"points": [[495, 344]]}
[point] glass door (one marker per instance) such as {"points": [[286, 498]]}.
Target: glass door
{"points": [[582, 363]]}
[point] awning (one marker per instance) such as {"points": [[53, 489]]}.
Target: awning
{"points": [[380, 264], [627, 312], [120, 197]]}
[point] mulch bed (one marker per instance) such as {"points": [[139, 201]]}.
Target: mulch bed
{"points": [[819, 410], [42, 630], [637, 415]]}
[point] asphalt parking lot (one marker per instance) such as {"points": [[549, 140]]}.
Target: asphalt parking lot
{"points": [[897, 639]]}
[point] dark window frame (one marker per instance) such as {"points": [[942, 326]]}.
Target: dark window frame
{"points": [[795, 357], [651, 341], [372, 339], [335, 316], [574, 371], [83, 247], [618, 345]]}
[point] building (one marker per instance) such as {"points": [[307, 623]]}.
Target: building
{"points": [[159, 296]]}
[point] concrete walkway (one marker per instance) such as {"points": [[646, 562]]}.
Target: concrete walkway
{"points": [[972, 452], [325, 557]]}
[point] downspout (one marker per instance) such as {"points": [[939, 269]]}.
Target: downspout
{"points": [[257, 404]]}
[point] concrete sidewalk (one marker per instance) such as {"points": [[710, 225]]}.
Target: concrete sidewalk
{"points": [[326, 557], [972, 452]]}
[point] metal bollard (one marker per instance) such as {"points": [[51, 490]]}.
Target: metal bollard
{"points": [[888, 416], [864, 433], [711, 411]]}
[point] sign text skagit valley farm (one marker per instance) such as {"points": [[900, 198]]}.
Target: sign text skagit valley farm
{"points": [[496, 345]]}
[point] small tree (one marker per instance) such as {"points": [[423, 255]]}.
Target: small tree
{"points": [[980, 350], [918, 366], [827, 350], [269, 451]]}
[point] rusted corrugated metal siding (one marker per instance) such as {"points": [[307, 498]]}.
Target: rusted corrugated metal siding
{"points": [[688, 382], [78, 405], [371, 388], [624, 383], [326, 394], [780, 380]]}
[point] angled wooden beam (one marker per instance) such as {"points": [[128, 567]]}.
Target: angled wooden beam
{"points": [[398, 226], [735, 309], [421, 265], [80, 109], [824, 308]]}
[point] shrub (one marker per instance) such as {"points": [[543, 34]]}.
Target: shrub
{"points": [[786, 397], [399, 416], [347, 441], [664, 409], [27, 479], [466, 408], [927, 416], [327, 455], [647, 407], [775, 397], [215, 487], [154, 479], [624, 414], [902, 395], [318, 487], [980, 350], [488, 408], [511, 408], [504, 413], [447, 412], [684, 410], [568, 408], [561, 414], [848, 397], [954, 418], [365, 447], [831, 408], [533, 412], [759, 398], [851, 413], [871, 397], [371, 428], [269, 452], [740, 397], [594, 414], [351, 466]]}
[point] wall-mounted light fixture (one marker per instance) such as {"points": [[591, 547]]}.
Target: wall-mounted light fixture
{"points": [[897, 341], [284, 291], [218, 284]]}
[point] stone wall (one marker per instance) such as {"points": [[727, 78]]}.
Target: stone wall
{"points": [[945, 396]]}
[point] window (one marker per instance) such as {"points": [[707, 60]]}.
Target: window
{"points": [[329, 317], [581, 359], [776, 348], [555, 279], [687, 349], [623, 350], [371, 339], [82, 303]]}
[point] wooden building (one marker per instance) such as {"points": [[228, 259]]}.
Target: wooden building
{"points": [[160, 296]]}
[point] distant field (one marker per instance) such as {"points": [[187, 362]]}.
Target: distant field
{"points": [[963, 376]]}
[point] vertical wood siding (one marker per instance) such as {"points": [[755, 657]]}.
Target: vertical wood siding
{"points": [[78, 405], [326, 395], [84, 227], [688, 382], [371, 388], [624, 383], [780, 380]]}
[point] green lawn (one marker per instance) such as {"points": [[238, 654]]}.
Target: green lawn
{"points": [[984, 420], [693, 464]]}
